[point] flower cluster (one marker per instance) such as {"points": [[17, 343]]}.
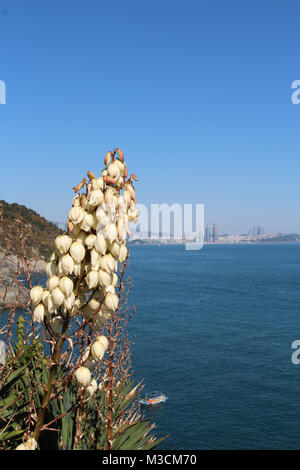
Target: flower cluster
{"points": [[83, 270]]}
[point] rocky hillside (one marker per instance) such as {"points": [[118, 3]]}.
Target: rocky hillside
{"points": [[38, 233]]}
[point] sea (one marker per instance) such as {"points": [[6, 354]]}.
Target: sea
{"points": [[213, 330]]}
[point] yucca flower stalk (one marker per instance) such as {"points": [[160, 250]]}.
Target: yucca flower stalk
{"points": [[82, 270], [67, 383]]}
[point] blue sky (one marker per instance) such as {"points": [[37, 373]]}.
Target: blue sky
{"points": [[196, 93]]}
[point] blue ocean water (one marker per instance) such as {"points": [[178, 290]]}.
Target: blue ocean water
{"points": [[213, 330]]}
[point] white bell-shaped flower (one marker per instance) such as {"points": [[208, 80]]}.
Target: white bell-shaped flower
{"points": [[110, 232], [101, 244], [111, 302], [36, 294], [123, 253], [52, 282], [51, 269], [66, 285], [102, 339], [87, 222], [104, 278], [107, 263], [57, 296], [83, 376], [96, 197], [39, 312], [90, 241], [92, 279], [97, 350], [76, 215], [77, 252], [63, 243], [95, 259], [114, 248], [67, 264]]}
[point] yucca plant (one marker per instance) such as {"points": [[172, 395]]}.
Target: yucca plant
{"points": [[68, 380]]}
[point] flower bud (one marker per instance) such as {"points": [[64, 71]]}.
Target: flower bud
{"points": [[83, 376], [66, 285], [39, 312], [97, 350], [77, 252], [111, 302], [76, 215], [63, 243], [57, 296], [36, 294], [121, 154], [67, 264], [108, 158], [92, 279], [90, 241], [123, 253], [52, 282]]}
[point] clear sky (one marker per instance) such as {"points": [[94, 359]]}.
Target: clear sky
{"points": [[196, 93]]}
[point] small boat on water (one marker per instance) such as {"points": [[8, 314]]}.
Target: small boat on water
{"points": [[153, 398]]}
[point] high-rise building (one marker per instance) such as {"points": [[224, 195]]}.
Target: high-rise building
{"points": [[207, 233], [215, 233]]}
